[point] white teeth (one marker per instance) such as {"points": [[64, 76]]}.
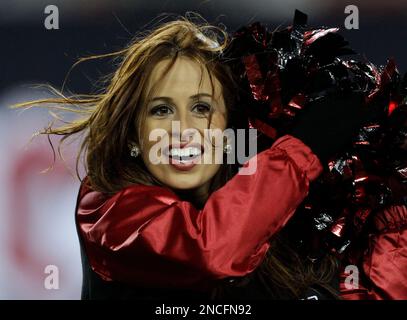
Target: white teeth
{"points": [[185, 152]]}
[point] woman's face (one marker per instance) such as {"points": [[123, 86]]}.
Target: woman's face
{"points": [[180, 105]]}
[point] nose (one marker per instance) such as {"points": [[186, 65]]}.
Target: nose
{"points": [[182, 128], [182, 133], [188, 134]]}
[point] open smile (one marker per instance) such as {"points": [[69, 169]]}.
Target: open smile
{"points": [[183, 157]]}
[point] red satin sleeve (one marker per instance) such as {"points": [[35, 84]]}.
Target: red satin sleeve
{"points": [[147, 235], [384, 262]]}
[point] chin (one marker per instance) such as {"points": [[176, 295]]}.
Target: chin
{"points": [[184, 182]]}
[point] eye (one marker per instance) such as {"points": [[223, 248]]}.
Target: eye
{"points": [[201, 108], [160, 110]]}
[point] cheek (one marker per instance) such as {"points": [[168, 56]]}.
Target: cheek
{"points": [[217, 128], [145, 143], [152, 130], [218, 121]]}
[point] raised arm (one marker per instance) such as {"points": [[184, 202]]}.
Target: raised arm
{"points": [[146, 234]]}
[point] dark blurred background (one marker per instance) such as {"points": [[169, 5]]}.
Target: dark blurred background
{"points": [[31, 53], [36, 210]]}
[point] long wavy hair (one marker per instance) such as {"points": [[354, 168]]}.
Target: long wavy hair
{"points": [[110, 118]]}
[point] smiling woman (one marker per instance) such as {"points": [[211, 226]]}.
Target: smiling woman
{"points": [[151, 229], [176, 99]]}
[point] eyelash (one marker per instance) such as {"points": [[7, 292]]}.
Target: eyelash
{"points": [[154, 110], [207, 106]]}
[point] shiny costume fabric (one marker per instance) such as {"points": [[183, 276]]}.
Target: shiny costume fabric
{"points": [[383, 263], [146, 236]]}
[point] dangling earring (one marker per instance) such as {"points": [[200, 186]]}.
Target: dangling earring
{"points": [[134, 150], [227, 148]]}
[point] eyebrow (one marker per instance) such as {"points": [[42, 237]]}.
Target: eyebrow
{"points": [[195, 96]]}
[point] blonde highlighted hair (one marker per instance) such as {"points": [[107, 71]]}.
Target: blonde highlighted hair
{"points": [[112, 117]]}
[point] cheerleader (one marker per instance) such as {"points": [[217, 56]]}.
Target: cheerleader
{"points": [[160, 229]]}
